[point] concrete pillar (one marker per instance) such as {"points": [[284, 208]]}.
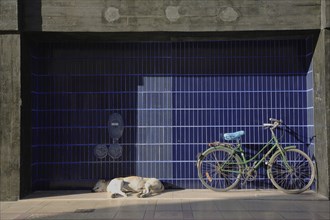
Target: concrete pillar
{"points": [[322, 101], [322, 111], [327, 105], [10, 86]]}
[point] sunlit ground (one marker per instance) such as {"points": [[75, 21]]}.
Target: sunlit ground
{"points": [[172, 204]]}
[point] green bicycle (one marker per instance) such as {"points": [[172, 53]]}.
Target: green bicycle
{"points": [[223, 165]]}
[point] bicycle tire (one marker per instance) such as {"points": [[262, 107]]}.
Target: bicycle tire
{"points": [[215, 178], [299, 178]]}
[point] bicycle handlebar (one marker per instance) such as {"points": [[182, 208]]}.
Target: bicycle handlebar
{"points": [[276, 120], [275, 123]]}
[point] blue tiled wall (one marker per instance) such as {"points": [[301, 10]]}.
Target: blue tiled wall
{"points": [[174, 97]]}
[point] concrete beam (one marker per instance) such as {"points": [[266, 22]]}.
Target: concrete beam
{"points": [[325, 14], [169, 15], [8, 15], [10, 87]]}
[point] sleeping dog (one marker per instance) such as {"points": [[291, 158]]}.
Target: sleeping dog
{"points": [[136, 184]]}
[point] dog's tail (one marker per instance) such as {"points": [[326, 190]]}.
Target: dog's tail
{"points": [[158, 190], [168, 185]]}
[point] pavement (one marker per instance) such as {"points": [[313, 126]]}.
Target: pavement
{"points": [[172, 204]]}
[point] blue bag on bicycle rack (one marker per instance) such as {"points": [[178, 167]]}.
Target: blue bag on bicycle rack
{"points": [[233, 136]]}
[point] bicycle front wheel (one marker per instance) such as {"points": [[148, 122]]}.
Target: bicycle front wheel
{"points": [[295, 176], [219, 169]]}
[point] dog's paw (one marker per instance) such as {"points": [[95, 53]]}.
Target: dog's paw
{"points": [[143, 195], [114, 195]]}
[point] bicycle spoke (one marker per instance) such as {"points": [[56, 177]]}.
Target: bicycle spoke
{"points": [[219, 170], [295, 175]]}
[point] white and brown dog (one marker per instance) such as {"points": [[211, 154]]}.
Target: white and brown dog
{"points": [[120, 186]]}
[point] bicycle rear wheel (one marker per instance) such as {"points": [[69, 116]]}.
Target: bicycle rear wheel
{"points": [[219, 169], [295, 178]]}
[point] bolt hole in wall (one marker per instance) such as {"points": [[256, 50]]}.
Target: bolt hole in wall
{"points": [[173, 97]]}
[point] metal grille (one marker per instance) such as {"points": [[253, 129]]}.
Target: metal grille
{"points": [[174, 98]]}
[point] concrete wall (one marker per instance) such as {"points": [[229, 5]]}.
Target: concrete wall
{"points": [[214, 16], [170, 15]]}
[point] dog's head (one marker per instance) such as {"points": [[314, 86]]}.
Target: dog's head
{"points": [[100, 186]]}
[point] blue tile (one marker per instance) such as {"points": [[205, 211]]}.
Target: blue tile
{"points": [[174, 97]]}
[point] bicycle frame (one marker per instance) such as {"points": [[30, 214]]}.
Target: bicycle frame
{"points": [[272, 142]]}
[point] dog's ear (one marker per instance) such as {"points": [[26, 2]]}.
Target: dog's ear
{"points": [[103, 180]]}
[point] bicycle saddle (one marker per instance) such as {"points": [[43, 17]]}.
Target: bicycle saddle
{"points": [[233, 136]]}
